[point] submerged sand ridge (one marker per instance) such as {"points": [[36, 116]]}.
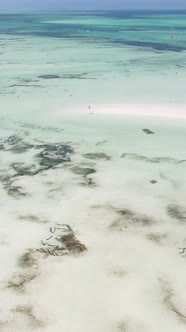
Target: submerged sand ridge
{"points": [[129, 273]]}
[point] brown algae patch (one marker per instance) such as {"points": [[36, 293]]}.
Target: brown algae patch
{"points": [[28, 272], [121, 327], [129, 217], [22, 169], [154, 160], [157, 238], [33, 218], [27, 312], [20, 280], [177, 212], [168, 300], [72, 244], [118, 273], [101, 143], [11, 188], [15, 191], [61, 241], [27, 260], [15, 143]]}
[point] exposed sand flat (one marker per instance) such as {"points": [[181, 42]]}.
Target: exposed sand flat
{"points": [[151, 110], [148, 110]]}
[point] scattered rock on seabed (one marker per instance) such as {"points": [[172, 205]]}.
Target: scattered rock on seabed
{"points": [[49, 77], [148, 131], [82, 171], [97, 155], [62, 241], [153, 181]]}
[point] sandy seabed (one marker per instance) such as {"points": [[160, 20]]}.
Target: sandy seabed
{"points": [[122, 193]]}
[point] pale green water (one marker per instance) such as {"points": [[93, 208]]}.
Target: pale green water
{"points": [[101, 58]]}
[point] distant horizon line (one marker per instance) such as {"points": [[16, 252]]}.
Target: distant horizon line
{"points": [[90, 10]]}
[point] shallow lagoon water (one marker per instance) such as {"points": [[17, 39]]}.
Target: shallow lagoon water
{"points": [[112, 58], [120, 190]]}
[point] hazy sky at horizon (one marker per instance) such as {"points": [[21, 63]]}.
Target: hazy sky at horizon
{"points": [[16, 5]]}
